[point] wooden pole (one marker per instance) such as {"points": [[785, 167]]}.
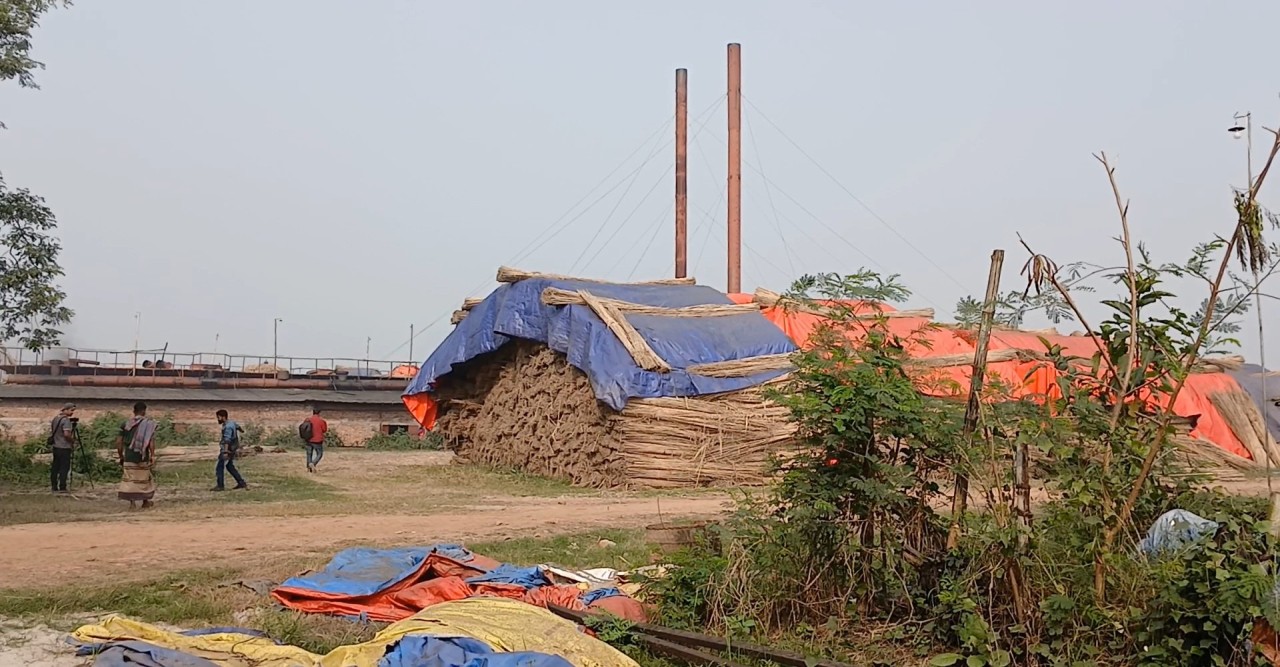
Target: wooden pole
{"points": [[734, 285], [682, 173], [960, 497]]}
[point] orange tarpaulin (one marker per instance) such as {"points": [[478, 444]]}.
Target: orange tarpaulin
{"points": [[1022, 378]]}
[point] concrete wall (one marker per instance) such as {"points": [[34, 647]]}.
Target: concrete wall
{"points": [[353, 423]]}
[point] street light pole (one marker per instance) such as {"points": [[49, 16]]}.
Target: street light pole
{"points": [[275, 343], [1250, 194]]}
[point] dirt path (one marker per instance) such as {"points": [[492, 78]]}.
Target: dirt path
{"points": [[36, 554]]}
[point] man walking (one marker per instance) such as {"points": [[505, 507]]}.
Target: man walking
{"points": [[228, 447], [62, 441], [312, 431]]}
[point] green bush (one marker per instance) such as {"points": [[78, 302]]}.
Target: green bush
{"points": [[193, 435], [18, 467], [403, 440]]}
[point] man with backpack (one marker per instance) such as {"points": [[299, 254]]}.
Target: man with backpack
{"points": [[312, 431], [228, 447]]}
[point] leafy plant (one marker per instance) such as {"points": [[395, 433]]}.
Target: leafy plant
{"points": [[403, 440]]}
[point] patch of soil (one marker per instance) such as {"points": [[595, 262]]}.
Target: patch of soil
{"points": [[35, 555], [38, 646]]}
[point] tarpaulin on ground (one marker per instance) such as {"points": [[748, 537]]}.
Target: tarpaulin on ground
{"points": [[516, 311], [221, 648], [503, 633], [394, 584], [504, 625], [428, 651], [384, 584]]}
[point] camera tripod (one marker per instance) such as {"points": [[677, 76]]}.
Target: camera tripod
{"points": [[85, 457]]}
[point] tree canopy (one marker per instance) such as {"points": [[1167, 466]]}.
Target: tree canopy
{"points": [[31, 303]]}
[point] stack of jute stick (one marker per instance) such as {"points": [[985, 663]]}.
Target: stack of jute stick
{"points": [[524, 406]]}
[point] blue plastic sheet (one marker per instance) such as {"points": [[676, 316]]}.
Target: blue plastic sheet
{"points": [[142, 654], [429, 651], [516, 311], [361, 571], [591, 597], [110, 654], [506, 573], [1175, 529]]}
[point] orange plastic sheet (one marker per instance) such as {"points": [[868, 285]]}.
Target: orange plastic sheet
{"points": [[442, 579], [423, 409], [1021, 378], [437, 580]]}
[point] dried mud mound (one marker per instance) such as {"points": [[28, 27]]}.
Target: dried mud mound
{"points": [[525, 407]]}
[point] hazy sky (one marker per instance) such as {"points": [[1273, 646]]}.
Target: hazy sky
{"points": [[354, 168]]}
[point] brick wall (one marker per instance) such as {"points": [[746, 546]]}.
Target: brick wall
{"points": [[353, 423]]}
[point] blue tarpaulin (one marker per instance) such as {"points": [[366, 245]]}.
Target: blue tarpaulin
{"points": [[429, 651], [359, 572], [591, 597], [516, 311], [1173, 530], [528, 577], [142, 654]]}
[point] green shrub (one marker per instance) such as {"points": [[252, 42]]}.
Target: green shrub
{"points": [[403, 440], [192, 435]]}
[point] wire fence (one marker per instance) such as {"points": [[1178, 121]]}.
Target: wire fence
{"points": [[88, 361]]}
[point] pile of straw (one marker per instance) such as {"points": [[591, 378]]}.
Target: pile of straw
{"points": [[525, 407]]}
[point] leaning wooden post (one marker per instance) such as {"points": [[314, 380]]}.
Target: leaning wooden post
{"points": [[960, 497]]}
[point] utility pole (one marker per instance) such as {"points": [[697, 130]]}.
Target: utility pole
{"points": [[275, 343], [412, 358], [682, 173], [734, 285]]}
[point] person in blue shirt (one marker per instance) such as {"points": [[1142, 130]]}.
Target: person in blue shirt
{"points": [[228, 447]]}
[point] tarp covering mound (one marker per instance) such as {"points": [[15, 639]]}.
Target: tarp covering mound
{"points": [[1030, 377], [516, 310], [394, 584], [479, 632]]}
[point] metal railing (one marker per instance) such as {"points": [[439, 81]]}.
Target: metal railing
{"points": [[234, 363]]}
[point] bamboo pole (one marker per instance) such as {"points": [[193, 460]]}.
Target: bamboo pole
{"points": [[960, 495]]}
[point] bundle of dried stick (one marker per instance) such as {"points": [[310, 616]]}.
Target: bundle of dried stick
{"points": [[1219, 364], [1244, 418], [767, 298], [507, 274], [724, 439], [524, 406], [554, 296]]}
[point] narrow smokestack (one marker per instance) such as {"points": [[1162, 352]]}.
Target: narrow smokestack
{"points": [[682, 173], [735, 170]]}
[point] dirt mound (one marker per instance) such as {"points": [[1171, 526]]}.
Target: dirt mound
{"points": [[525, 407]]}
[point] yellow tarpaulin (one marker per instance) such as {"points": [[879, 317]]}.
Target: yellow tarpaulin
{"points": [[228, 649], [505, 625]]}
